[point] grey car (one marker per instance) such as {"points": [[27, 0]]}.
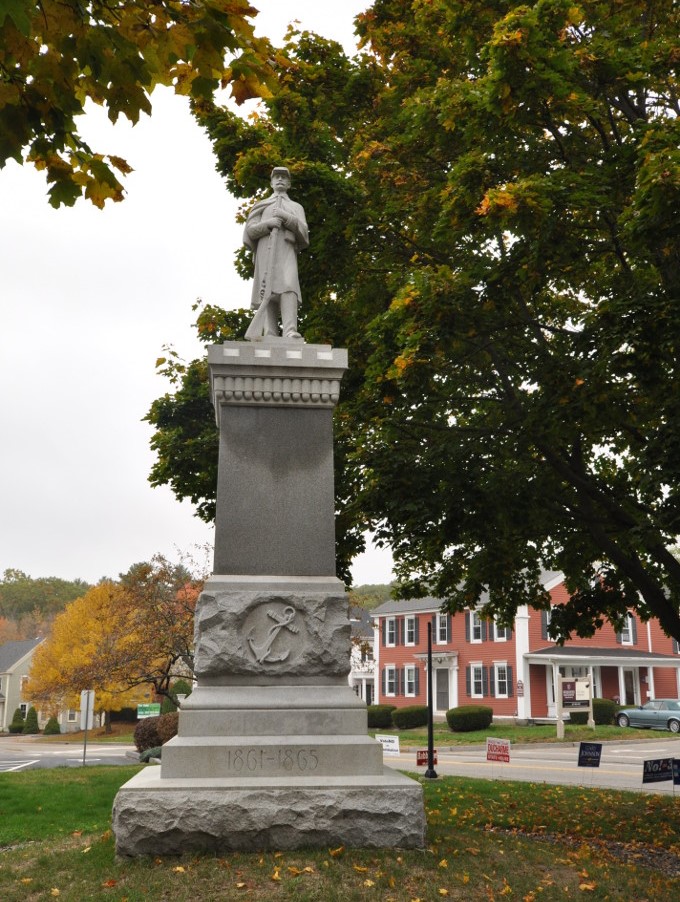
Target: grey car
{"points": [[660, 714]]}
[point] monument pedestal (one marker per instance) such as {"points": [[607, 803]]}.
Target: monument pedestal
{"points": [[272, 750]]}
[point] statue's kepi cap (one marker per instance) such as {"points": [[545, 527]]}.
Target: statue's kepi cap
{"points": [[280, 170]]}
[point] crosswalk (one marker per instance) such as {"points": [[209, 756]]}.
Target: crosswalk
{"points": [[14, 765]]}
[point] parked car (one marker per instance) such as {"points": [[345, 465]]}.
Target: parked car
{"points": [[660, 714]]}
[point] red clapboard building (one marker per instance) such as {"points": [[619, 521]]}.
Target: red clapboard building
{"points": [[514, 671]]}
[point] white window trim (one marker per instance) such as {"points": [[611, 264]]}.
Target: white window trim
{"points": [[627, 631], [72, 716], [496, 635], [409, 619], [475, 624], [480, 667], [390, 672], [390, 625], [496, 667], [410, 678], [442, 621]]}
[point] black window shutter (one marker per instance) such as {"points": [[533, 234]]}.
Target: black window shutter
{"points": [[468, 682], [448, 627], [415, 633], [633, 629], [484, 626], [510, 689], [467, 625], [383, 624], [619, 638], [544, 624], [416, 678], [402, 672], [492, 681], [435, 637], [485, 681], [384, 681]]}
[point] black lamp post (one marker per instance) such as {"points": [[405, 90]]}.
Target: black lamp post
{"points": [[431, 773]]}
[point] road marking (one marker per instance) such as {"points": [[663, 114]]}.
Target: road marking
{"points": [[5, 767]]}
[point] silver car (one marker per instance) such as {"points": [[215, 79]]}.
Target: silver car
{"points": [[660, 714]]}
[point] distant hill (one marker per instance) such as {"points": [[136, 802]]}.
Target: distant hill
{"points": [[370, 596], [21, 595]]}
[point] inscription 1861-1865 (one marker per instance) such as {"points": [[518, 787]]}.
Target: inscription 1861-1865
{"points": [[253, 760]]}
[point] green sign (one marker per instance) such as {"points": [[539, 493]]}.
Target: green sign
{"points": [[148, 711]]}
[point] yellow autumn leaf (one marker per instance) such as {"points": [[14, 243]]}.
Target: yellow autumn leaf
{"points": [[587, 887], [443, 863], [179, 869], [443, 892], [359, 868], [276, 875], [87, 849], [466, 878], [335, 853], [369, 883], [26, 879], [240, 886], [54, 891], [507, 890]]}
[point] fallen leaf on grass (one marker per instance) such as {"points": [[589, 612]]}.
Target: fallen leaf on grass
{"points": [[77, 833], [443, 892], [110, 883], [240, 886], [179, 870], [359, 868], [334, 853], [369, 882], [443, 863], [296, 872], [587, 887], [466, 878], [87, 849], [26, 879], [55, 892], [275, 875]]}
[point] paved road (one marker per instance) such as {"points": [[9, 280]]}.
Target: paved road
{"points": [[620, 767], [28, 753]]}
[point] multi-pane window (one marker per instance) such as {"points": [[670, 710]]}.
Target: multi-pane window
{"points": [[501, 633], [410, 630], [627, 633], [475, 627], [477, 680], [442, 628], [391, 631], [390, 680], [410, 680], [501, 680], [72, 715]]}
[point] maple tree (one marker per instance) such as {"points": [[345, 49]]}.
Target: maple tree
{"points": [[123, 639], [493, 191], [55, 56]]}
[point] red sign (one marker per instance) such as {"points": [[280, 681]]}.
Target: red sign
{"points": [[498, 750], [421, 757]]}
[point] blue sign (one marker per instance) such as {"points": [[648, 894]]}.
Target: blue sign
{"points": [[589, 754], [657, 770]]}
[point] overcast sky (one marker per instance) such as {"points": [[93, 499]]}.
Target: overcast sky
{"points": [[87, 300]]}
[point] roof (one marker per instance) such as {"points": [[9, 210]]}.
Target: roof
{"points": [[12, 652], [361, 621], [593, 655], [549, 579]]}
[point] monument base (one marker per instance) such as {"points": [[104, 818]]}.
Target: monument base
{"points": [[154, 816]]}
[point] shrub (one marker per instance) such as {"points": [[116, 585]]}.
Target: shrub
{"points": [[167, 726], [604, 710], [146, 756], [181, 687], [52, 727], [146, 734], [380, 716], [31, 723], [17, 724], [412, 716], [468, 718]]}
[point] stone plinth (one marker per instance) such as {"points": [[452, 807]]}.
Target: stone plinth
{"points": [[272, 749]]}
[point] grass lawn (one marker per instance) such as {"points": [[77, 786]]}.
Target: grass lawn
{"points": [[487, 840], [536, 733]]}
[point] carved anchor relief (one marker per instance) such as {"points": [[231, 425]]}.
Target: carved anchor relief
{"points": [[262, 650]]}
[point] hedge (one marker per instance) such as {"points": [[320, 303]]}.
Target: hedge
{"points": [[409, 717], [604, 710], [468, 718], [17, 723], [52, 727], [380, 716], [167, 726]]}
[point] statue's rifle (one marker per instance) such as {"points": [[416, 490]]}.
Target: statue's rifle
{"points": [[256, 328]]}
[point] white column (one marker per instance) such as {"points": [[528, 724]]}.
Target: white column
{"points": [[651, 693], [622, 686], [521, 636]]}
